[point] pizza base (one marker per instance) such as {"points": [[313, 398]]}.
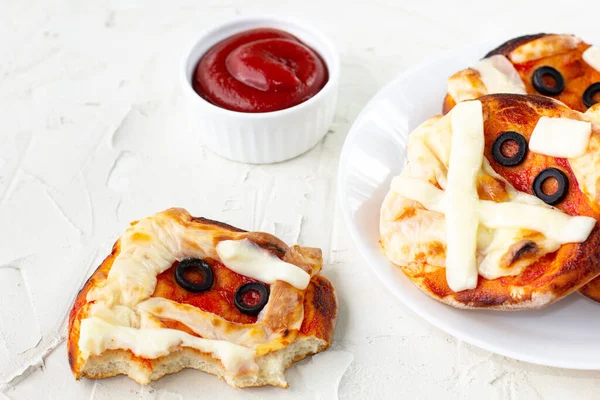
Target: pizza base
{"points": [[315, 335], [553, 277], [272, 366]]}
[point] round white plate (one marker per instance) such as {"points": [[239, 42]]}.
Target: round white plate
{"points": [[562, 335]]}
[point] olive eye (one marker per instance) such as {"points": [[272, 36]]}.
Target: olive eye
{"points": [[519, 155], [199, 265], [590, 92], [548, 72], [251, 298], [562, 181]]}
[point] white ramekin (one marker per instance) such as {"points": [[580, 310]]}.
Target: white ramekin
{"points": [[261, 138]]}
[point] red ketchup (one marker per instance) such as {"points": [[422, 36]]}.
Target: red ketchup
{"points": [[260, 70]]}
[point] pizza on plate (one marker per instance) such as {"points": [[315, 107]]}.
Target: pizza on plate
{"points": [[497, 205], [559, 66], [183, 292]]}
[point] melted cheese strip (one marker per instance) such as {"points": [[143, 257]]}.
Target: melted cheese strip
{"points": [[543, 47], [203, 323], [499, 75], [148, 249], [560, 137], [246, 258], [466, 156], [550, 222], [524, 211], [498, 253], [423, 234], [592, 57], [96, 336]]}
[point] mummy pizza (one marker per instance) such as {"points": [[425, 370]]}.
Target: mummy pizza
{"points": [[497, 205], [182, 292], [559, 66]]}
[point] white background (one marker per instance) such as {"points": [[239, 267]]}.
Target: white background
{"points": [[92, 136]]}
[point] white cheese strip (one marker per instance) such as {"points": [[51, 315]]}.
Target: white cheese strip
{"points": [[550, 222], [560, 137], [97, 335], [495, 246], [246, 258], [420, 191], [525, 213], [592, 57], [466, 156], [500, 249], [206, 324], [150, 250], [499, 75], [543, 47]]}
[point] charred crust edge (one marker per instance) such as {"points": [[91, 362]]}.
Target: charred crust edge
{"points": [[203, 220]]}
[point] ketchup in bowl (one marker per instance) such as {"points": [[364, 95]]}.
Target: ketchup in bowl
{"points": [[260, 70]]}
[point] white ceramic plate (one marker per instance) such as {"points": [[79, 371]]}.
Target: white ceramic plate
{"points": [[562, 335]]}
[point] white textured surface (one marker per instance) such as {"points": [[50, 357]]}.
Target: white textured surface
{"points": [[93, 136]]}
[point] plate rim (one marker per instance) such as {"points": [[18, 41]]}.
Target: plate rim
{"points": [[406, 301]]}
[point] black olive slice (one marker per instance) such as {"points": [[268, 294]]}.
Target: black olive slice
{"points": [[561, 179], [588, 95], [519, 155], [202, 266], [251, 309], [538, 81]]}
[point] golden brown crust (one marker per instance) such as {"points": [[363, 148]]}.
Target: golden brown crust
{"points": [[548, 280], [554, 275], [592, 290], [449, 104], [320, 310], [79, 310], [320, 306]]}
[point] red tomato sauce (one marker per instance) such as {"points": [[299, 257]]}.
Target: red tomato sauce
{"points": [[260, 70], [219, 299]]}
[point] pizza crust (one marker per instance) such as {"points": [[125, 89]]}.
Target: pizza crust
{"points": [[271, 366], [318, 307]]}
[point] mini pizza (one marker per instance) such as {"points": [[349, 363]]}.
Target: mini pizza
{"points": [[559, 66], [496, 207], [182, 292]]}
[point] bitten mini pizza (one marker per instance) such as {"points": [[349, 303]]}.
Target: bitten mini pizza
{"points": [[559, 66], [182, 292], [497, 204]]}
